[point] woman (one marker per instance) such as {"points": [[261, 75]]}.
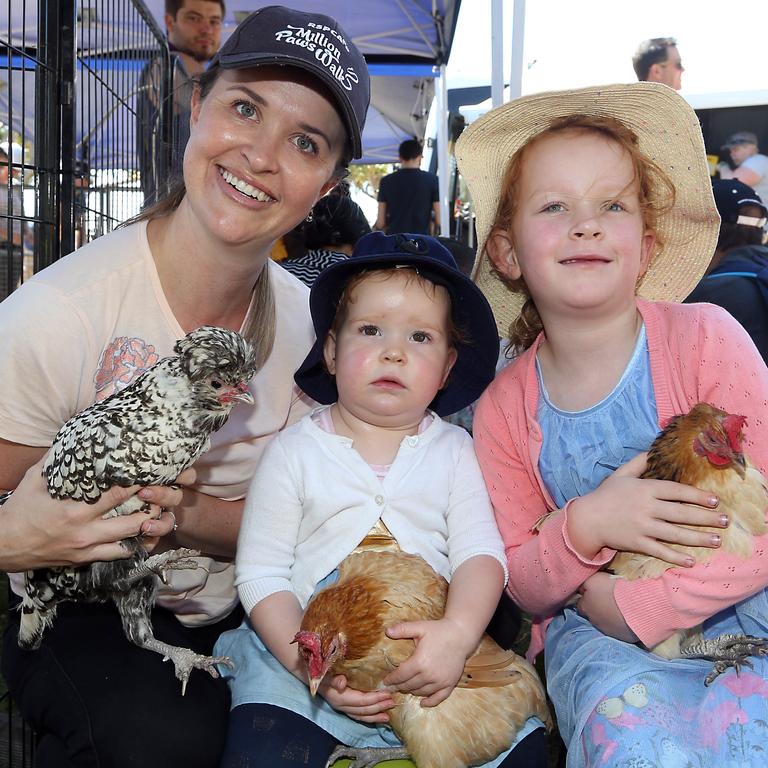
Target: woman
{"points": [[275, 120]]}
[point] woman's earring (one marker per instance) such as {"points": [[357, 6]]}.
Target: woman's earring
{"points": [[309, 217]]}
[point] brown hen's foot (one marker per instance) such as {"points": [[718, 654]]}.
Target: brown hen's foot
{"points": [[368, 757], [726, 651], [172, 560]]}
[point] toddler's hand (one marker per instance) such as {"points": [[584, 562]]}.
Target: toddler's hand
{"points": [[365, 706], [628, 514], [436, 664]]}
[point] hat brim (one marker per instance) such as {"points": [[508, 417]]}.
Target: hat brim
{"points": [[669, 134], [255, 59], [475, 365]]}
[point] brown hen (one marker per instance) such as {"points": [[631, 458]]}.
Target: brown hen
{"points": [[343, 632], [703, 448]]}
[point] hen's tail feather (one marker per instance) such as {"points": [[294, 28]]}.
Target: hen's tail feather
{"points": [[34, 621]]}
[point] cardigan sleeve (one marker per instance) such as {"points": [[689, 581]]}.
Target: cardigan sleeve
{"points": [[269, 529], [732, 376], [472, 530], [544, 569]]}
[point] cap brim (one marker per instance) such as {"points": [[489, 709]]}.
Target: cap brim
{"points": [[243, 60]]}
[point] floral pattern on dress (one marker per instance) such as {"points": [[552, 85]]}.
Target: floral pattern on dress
{"points": [[122, 360]]}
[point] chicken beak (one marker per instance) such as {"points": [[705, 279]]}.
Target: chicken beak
{"points": [[314, 684], [240, 394]]}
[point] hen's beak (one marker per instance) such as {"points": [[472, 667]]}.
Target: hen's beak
{"points": [[239, 394], [314, 684]]}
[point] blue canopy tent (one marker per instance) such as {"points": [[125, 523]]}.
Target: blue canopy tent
{"points": [[405, 43]]}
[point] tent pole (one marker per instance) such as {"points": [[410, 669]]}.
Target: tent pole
{"points": [[518, 38], [497, 53], [443, 160]]}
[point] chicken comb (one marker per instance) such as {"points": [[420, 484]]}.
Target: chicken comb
{"points": [[733, 425]]}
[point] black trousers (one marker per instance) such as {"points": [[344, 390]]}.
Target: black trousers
{"points": [[265, 736], [96, 700]]}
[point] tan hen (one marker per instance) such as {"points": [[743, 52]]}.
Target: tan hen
{"points": [[343, 632], [703, 448]]}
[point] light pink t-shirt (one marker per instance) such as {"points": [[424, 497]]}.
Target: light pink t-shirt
{"points": [[87, 325]]}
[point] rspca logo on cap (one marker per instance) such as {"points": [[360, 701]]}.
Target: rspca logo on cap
{"points": [[313, 38]]}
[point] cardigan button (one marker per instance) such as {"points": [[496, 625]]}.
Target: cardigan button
{"points": [[413, 441], [379, 499]]}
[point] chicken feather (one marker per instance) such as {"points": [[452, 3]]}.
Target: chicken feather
{"points": [[703, 448], [343, 631]]}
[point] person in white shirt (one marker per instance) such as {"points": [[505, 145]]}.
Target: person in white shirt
{"points": [[403, 337]]}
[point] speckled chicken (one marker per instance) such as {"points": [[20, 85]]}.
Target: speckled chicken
{"points": [[703, 448], [342, 632], [146, 434]]}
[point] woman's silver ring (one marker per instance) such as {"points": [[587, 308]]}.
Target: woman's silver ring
{"points": [[167, 511]]}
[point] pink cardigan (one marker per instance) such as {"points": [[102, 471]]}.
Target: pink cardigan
{"points": [[698, 353]]}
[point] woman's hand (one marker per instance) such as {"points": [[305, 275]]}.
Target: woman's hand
{"points": [[598, 605], [628, 514], [38, 531], [365, 706], [162, 519], [436, 664]]}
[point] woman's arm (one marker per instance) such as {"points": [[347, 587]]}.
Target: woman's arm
{"points": [[37, 531]]}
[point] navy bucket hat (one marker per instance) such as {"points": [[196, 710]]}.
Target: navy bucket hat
{"points": [[477, 352]]}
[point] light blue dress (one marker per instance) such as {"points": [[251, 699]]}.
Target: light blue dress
{"points": [[618, 705]]}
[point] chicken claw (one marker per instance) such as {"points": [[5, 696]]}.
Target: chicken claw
{"points": [[726, 651], [185, 660], [366, 757], [172, 560]]}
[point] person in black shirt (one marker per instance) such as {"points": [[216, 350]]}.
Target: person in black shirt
{"points": [[409, 200], [737, 277]]}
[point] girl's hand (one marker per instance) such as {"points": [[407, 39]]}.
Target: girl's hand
{"points": [[436, 664], [598, 605], [628, 514], [365, 706]]}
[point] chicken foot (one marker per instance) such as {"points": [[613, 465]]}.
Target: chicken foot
{"points": [[134, 608], [173, 559], [366, 757], [726, 651]]}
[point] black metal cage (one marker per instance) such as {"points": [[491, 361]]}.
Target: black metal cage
{"points": [[73, 78], [72, 84]]}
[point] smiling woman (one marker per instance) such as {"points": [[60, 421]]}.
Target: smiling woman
{"points": [[275, 120]]}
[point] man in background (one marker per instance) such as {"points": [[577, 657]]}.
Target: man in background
{"points": [[751, 167], [658, 61], [194, 36], [409, 198]]}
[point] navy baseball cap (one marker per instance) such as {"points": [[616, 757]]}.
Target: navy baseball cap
{"points": [[478, 350], [731, 195], [313, 42]]}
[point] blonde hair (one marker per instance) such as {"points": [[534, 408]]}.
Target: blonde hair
{"points": [[260, 323], [656, 194]]}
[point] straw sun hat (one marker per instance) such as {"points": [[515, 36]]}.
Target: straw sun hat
{"points": [[668, 133]]}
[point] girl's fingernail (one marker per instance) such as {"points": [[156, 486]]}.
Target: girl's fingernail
{"points": [[713, 501], [715, 540], [146, 494], [690, 562], [724, 520]]}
